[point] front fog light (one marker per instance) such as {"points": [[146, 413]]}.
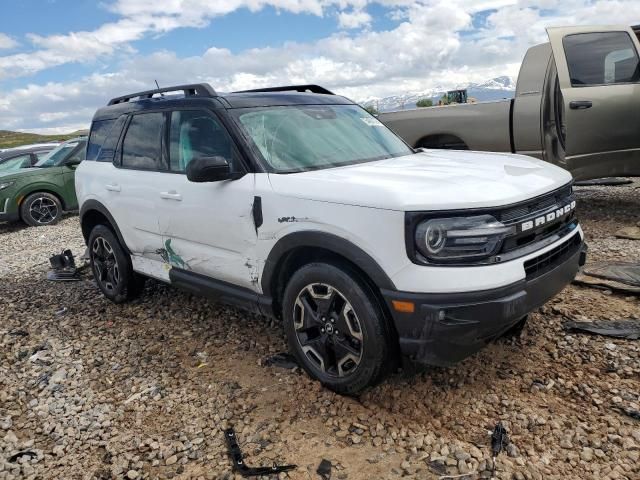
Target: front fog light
{"points": [[460, 238]]}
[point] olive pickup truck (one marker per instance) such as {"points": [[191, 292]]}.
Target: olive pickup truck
{"points": [[576, 105]]}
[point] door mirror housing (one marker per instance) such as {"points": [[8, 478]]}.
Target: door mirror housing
{"points": [[210, 169], [72, 162]]}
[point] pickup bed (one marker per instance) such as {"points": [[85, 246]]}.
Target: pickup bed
{"points": [[576, 105]]}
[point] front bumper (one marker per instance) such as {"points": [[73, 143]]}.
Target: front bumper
{"points": [[444, 329], [6, 213]]}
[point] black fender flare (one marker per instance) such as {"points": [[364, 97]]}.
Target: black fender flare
{"points": [[325, 241], [94, 205]]}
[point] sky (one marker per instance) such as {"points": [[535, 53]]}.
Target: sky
{"points": [[62, 59]]}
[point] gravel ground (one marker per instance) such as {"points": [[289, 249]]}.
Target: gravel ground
{"points": [[96, 390]]}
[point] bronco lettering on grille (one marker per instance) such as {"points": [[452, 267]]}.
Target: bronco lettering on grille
{"points": [[557, 214]]}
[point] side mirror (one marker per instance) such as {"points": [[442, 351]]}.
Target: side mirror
{"points": [[210, 169], [72, 162]]}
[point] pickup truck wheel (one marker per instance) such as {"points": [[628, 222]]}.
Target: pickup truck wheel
{"points": [[335, 328], [111, 266], [41, 208]]}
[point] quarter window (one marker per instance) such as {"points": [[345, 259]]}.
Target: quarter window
{"points": [[98, 135], [141, 148], [601, 58], [195, 134]]}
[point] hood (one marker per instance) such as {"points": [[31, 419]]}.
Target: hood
{"points": [[429, 180]]}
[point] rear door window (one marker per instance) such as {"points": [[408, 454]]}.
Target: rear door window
{"points": [[142, 145], [601, 58]]}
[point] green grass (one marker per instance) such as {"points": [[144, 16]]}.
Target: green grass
{"points": [[15, 139]]}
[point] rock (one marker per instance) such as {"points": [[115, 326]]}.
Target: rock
{"points": [[171, 460], [132, 474], [586, 454], [11, 438], [58, 377]]}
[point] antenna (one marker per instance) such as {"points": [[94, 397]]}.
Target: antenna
{"points": [[161, 94]]}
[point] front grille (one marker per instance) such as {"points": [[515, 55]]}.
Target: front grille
{"points": [[548, 261], [517, 212]]}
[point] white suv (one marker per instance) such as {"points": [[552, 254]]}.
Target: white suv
{"points": [[297, 203]]}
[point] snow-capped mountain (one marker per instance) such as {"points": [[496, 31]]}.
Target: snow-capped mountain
{"points": [[494, 89]]}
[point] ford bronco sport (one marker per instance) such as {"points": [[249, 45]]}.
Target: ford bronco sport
{"points": [[296, 203]]}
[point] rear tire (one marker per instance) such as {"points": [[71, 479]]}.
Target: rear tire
{"points": [[111, 266], [41, 208], [335, 328]]}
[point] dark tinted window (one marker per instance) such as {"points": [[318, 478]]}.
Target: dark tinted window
{"points": [[601, 58], [196, 134], [142, 142], [99, 132]]}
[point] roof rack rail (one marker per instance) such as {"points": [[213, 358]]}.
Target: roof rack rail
{"points": [[199, 89], [292, 88]]}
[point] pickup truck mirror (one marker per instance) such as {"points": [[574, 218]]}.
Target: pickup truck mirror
{"points": [[210, 169]]}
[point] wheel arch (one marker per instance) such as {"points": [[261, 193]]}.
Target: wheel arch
{"points": [[442, 140], [22, 196], [94, 213], [300, 248]]}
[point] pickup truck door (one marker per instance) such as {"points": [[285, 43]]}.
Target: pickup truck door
{"points": [[599, 103]]}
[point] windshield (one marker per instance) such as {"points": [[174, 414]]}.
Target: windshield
{"points": [[307, 137], [57, 155], [15, 164]]}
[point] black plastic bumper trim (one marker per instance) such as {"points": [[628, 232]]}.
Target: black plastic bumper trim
{"points": [[446, 328]]}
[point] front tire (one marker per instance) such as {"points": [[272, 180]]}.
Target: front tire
{"points": [[111, 266], [41, 208], [335, 328]]}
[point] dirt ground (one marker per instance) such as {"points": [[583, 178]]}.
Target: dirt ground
{"points": [[144, 390]]}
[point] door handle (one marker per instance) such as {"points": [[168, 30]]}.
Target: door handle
{"points": [[171, 195], [580, 104], [112, 187]]}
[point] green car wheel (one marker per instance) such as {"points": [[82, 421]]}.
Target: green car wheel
{"points": [[41, 208]]}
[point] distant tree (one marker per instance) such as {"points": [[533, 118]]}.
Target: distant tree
{"points": [[424, 102], [444, 100], [371, 109]]}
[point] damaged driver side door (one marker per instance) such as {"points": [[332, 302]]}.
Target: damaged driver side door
{"points": [[207, 228]]}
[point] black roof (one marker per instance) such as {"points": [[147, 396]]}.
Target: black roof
{"points": [[203, 93]]}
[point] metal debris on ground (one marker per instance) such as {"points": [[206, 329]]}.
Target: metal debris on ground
{"points": [[24, 453], [627, 329], [63, 267], [618, 277], [238, 460], [282, 360], [623, 272], [324, 469], [629, 233], [604, 182], [499, 441], [635, 414]]}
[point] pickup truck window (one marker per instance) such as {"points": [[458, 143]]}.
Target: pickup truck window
{"points": [[310, 137], [601, 58]]}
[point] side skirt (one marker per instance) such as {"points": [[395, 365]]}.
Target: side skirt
{"points": [[221, 291]]}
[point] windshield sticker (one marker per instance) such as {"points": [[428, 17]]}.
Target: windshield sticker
{"points": [[371, 121]]}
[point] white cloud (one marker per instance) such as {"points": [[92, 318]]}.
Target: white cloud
{"points": [[433, 44], [6, 42], [354, 19]]}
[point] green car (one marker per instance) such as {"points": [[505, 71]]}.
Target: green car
{"points": [[40, 194]]}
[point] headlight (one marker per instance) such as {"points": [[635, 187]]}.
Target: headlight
{"points": [[4, 185], [460, 238]]}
